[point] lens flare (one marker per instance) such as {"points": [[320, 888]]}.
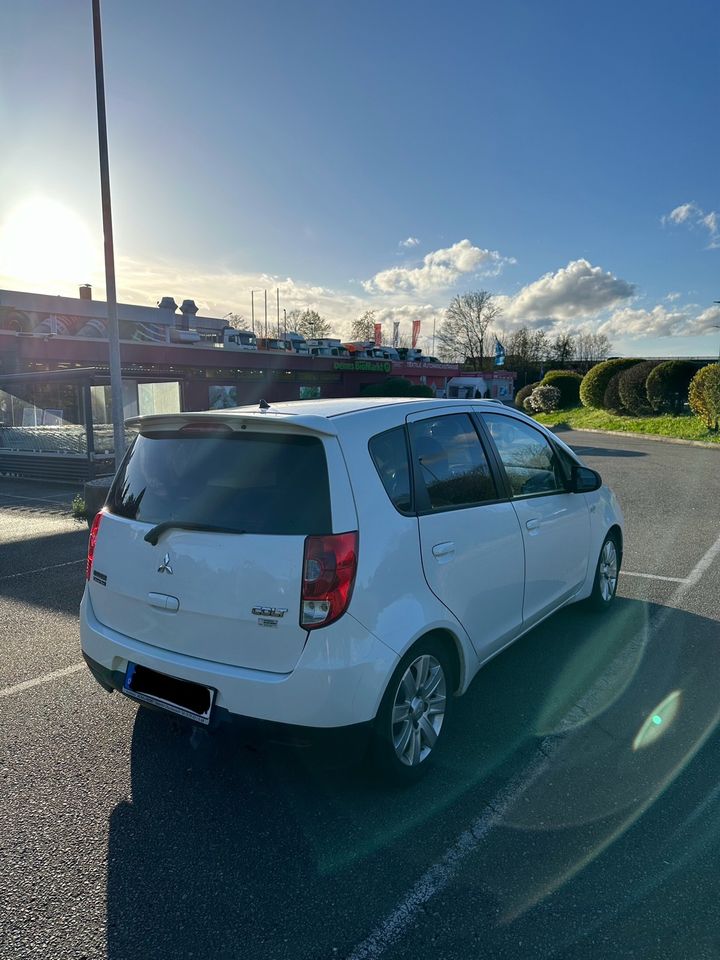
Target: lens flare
{"points": [[658, 722]]}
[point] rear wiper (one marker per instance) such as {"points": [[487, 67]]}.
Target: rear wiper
{"points": [[152, 536]]}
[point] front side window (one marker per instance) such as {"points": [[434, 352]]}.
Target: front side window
{"points": [[530, 462], [451, 462], [389, 454]]}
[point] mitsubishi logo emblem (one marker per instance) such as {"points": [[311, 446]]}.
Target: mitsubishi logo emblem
{"points": [[165, 566]]}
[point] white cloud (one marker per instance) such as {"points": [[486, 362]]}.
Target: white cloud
{"points": [[683, 213], [577, 297], [409, 242], [694, 216], [440, 269], [659, 321], [571, 293]]}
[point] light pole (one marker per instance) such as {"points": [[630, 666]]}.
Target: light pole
{"points": [[116, 399], [717, 327]]}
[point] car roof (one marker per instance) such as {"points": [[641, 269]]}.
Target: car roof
{"points": [[326, 416], [344, 406]]}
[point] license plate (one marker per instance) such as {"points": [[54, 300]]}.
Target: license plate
{"points": [[191, 700]]}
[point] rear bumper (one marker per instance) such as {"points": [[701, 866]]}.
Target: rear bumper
{"points": [[338, 681], [343, 741]]}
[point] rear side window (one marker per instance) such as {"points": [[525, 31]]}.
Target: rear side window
{"points": [[451, 462], [252, 482], [390, 456]]}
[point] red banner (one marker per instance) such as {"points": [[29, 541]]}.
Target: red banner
{"points": [[378, 334], [415, 332]]}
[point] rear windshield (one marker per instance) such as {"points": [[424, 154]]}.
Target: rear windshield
{"points": [[250, 482]]}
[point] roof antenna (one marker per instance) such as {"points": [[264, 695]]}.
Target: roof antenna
{"points": [[264, 405]]}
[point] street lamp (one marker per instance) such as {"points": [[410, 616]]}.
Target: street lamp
{"points": [[717, 327], [116, 398]]}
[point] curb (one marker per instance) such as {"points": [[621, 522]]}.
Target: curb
{"points": [[642, 436]]}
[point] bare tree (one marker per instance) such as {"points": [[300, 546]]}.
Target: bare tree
{"points": [[364, 327], [591, 348], [311, 325], [539, 347], [464, 334], [601, 347], [237, 320], [562, 348], [518, 347], [293, 318]]}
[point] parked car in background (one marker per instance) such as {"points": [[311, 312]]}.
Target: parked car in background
{"points": [[338, 563]]}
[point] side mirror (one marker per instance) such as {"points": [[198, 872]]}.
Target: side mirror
{"points": [[585, 480]]}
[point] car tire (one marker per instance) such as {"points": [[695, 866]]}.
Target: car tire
{"points": [[607, 573], [413, 715]]}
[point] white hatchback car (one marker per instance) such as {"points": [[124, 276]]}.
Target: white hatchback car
{"points": [[338, 563]]}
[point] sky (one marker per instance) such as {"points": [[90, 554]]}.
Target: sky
{"points": [[375, 155]]}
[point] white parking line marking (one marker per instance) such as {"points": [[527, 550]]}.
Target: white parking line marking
{"points": [[16, 496], [653, 576], [52, 566], [703, 564], [37, 681], [441, 873]]}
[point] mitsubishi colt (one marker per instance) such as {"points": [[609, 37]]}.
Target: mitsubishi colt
{"points": [[344, 563]]}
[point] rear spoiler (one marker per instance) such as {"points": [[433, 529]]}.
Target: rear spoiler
{"points": [[255, 420]]}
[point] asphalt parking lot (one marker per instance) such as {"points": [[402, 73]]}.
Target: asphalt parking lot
{"points": [[575, 813]]}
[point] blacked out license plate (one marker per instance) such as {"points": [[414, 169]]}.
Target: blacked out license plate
{"points": [[191, 700]]}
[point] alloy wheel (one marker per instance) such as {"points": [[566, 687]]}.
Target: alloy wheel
{"points": [[608, 572], [419, 710]]}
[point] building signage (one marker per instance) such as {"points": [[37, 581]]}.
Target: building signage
{"points": [[367, 366]]}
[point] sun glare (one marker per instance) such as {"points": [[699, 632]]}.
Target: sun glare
{"points": [[47, 248]]}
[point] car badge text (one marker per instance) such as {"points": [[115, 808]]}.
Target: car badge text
{"points": [[269, 611], [165, 566]]}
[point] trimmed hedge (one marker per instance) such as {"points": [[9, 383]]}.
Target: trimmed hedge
{"points": [[704, 395], [668, 384], [523, 393], [611, 397], [567, 383], [631, 387], [595, 381]]}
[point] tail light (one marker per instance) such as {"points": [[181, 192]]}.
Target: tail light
{"points": [[91, 545], [329, 567]]}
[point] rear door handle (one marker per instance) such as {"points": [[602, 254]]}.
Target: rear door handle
{"points": [[533, 524], [443, 552], [163, 602]]}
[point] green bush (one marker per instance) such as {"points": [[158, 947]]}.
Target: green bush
{"points": [[611, 397], [631, 387], [567, 383], [667, 385], [79, 510], [595, 381], [523, 393], [704, 395], [543, 399], [397, 387]]}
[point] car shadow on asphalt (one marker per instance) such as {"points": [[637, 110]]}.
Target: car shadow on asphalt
{"points": [[59, 586], [226, 849], [605, 452]]}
